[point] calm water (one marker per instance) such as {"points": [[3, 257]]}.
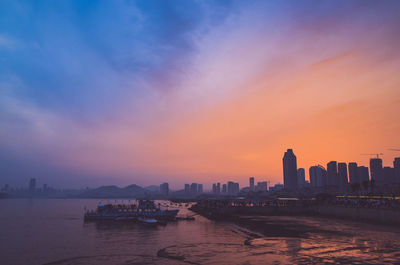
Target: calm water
{"points": [[53, 232]]}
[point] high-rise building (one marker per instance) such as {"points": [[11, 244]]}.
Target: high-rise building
{"points": [[396, 165], [318, 176], [375, 167], [251, 186], [218, 188], [332, 173], [262, 186], [164, 188], [342, 175], [301, 177], [289, 170], [224, 190], [214, 188], [187, 188], [388, 175], [32, 185], [353, 177], [233, 188], [193, 188], [362, 174], [200, 188]]}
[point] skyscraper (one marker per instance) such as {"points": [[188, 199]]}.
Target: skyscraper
{"points": [[251, 184], [396, 165], [290, 170], [187, 188], [317, 176], [32, 185], [301, 177], [200, 188], [164, 188], [353, 173], [342, 175], [224, 188], [193, 188], [375, 166], [362, 174], [388, 175], [331, 169]]}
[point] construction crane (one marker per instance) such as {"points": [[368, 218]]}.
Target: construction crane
{"points": [[394, 149], [376, 154]]}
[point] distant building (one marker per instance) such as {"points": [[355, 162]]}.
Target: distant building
{"points": [[262, 186], [332, 173], [342, 175], [187, 188], [32, 185], [214, 188], [233, 188], [301, 177], [276, 187], [193, 188], [375, 166], [289, 170], [200, 188], [164, 188], [353, 176], [218, 188], [318, 176], [224, 190], [45, 188], [396, 165], [251, 186], [363, 174], [388, 175]]}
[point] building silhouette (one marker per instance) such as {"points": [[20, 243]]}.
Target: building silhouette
{"points": [[388, 175], [289, 170], [396, 166], [251, 186], [224, 189], [342, 175], [193, 188], [353, 176], [362, 174], [375, 166], [32, 185], [200, 188], [318, 176], [164, 189], [301, 177], [332, 173], [262, 186], [187, 188]]}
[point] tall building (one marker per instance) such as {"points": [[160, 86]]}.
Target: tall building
{"points": [[262, 186], [289, 170], [251, 180], [187, 188], [375, 166], [342, 175], [214, 188], [32, 185], [318, 176], [233, 188], [332, 172], [301, 177], [164, 188], [218, 188], [200, 188], [193, 188], [353, 173], [388, 175], [224, 190], [362, 174], [396, 165]]}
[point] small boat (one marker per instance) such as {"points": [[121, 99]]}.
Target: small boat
{"points": [[148, 221], [125, 219]]}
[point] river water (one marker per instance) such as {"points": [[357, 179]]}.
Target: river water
{"points": [[53, 232]]}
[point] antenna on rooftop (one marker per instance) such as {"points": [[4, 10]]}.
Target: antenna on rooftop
{"points": [[376, 154]]}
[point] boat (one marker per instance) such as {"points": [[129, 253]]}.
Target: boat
{"points": [[124, 212], [148, 221]]}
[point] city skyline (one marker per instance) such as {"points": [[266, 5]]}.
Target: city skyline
{"points": [[142, 92]]}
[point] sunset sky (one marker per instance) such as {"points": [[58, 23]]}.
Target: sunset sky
{"points": [[121, 92]]}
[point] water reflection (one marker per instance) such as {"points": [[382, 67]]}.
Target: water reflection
{"points": [[53, 232]]}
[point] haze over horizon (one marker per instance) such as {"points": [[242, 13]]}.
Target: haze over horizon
{"points": [[98, 93]]}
